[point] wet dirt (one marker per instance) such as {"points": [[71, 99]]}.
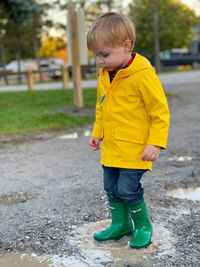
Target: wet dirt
{"points": [[65, 179]]}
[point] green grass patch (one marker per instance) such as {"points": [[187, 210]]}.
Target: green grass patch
{"points": [[22, 112], [36, 111]]}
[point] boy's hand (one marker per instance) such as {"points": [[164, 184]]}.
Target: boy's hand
{"points": [[94, 142], [151, 153]]}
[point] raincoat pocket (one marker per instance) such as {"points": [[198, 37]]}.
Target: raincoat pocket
{"points": [[133, 135]]}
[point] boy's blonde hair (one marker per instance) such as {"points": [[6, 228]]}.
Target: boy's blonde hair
{"points": [[111, 29]]}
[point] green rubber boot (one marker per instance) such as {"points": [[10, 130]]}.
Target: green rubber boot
{"points": [[143, 229], [121, 224]]}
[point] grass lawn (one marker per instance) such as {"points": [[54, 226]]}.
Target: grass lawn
{"points": [[22, 112], [33, 111]]}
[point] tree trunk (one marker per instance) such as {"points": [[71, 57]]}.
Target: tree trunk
{"points": [[82, 4], [3, 59], [35, 44], [109, 4], [156, 37]]}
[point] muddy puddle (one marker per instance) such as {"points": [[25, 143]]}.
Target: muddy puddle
{"points": [[189, 193], [75, 135], [95, 254], [14, 198], [180, 158]]}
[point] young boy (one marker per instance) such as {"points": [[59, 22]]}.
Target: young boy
{"points": [[132, 120]]}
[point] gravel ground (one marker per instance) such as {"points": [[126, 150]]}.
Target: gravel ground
{"points": [[50, 186]]}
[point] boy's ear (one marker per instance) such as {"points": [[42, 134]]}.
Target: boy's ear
{"points": [[127, 45]]}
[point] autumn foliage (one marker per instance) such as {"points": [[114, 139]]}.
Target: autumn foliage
{"points": [[54, 47]]}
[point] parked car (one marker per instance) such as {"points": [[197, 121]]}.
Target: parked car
{"points": [[178, 56], [53, 66], [25, 65], [181, 56]]}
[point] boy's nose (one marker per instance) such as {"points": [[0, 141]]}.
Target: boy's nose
{"points": [[100, 60]]}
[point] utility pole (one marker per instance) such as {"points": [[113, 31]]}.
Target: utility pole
{"points": [[156, 36]]}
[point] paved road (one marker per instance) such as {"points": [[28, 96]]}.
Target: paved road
{"points": [[46, 86], [185, 77], [166, 79]]}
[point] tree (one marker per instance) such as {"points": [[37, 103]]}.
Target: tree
{"points": [[18, 10], [175, 24], [18, 13], [54, 47], [40, 24], [92, 8], [27, 22]]}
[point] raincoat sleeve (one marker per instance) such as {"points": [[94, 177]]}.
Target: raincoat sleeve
{"points": [[157, 108], [98, 124]]}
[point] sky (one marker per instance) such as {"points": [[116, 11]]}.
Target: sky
{"points": [[60, 16], [195, 4]]}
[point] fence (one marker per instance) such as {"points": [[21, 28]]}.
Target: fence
{"points": [[65, 73]]}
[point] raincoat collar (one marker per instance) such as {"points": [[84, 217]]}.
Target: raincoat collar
{"points": [[139, 63]]}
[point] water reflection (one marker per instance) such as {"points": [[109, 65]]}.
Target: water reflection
{"points": [[189, 193], [75, 135], [33, 260], [180, 158], [118, 252]]}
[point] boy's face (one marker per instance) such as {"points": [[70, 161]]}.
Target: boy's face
{"points": [[112, 58]]}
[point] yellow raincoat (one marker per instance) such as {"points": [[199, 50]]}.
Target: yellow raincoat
{"points": [[131, 112]]}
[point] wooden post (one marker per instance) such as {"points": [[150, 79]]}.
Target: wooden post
{"points": [[76, 68], [65, 75], [30, 80]]}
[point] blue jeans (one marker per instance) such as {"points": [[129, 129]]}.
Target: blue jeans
{"points": [[123, 184]]}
